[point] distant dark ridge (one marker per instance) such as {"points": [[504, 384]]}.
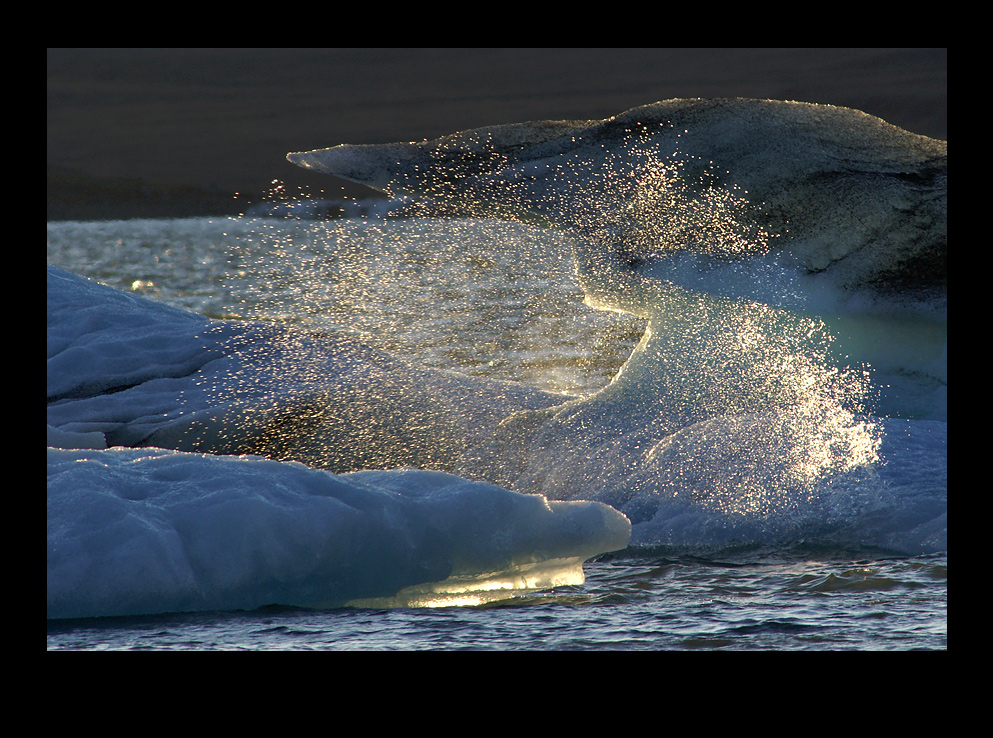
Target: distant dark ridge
{"points": [[74, 195]]}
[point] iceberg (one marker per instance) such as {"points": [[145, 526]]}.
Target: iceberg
{"points": [[144, 531], [141, 522], [790, 384]]}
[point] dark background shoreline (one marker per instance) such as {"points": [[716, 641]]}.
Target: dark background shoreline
{"points": [[197, 132]]}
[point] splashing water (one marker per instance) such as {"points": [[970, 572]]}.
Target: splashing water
{"points": [[722, 411], [702, 356], [790, 417]]}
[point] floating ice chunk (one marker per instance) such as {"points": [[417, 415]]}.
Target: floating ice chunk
{"points": [[152, 531]]}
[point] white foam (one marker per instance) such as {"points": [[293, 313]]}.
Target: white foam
{"points": [[725, 482]]}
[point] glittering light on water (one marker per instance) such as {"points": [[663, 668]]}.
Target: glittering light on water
{"points": [[410, 286], [470, 591]]}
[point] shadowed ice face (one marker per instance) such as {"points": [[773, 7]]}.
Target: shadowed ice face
{"points": [[687, 207], [832, 192]]}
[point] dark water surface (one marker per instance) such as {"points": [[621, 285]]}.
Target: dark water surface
{"points": [[627, 603]]}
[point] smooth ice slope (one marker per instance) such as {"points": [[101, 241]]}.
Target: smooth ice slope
{"points": [[151, 531]]}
